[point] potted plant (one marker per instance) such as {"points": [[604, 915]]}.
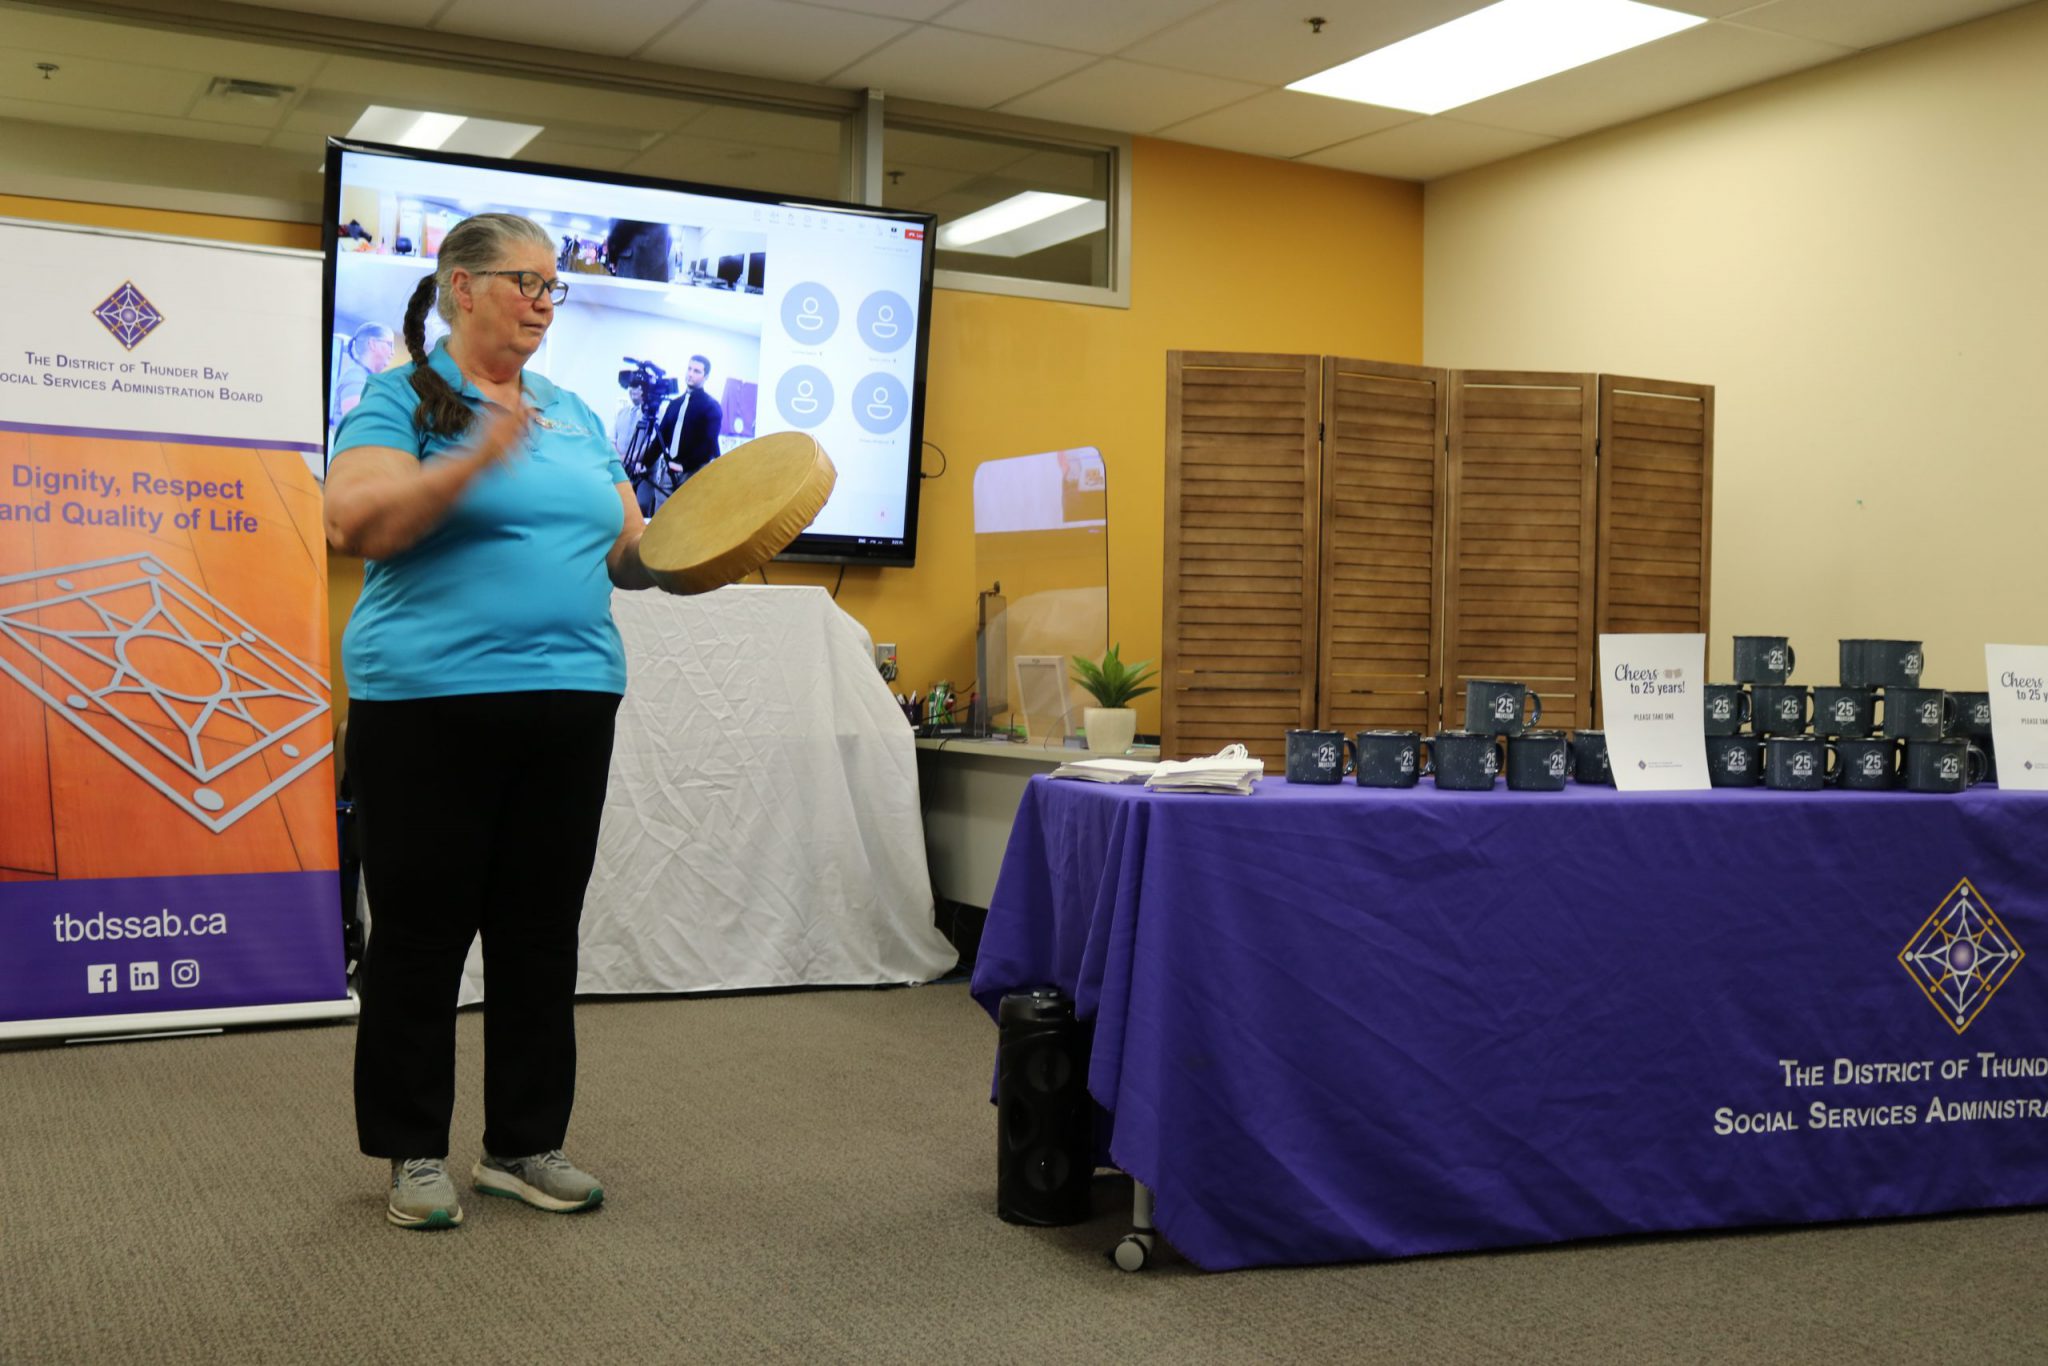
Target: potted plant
{"points": [[1112, 724]]}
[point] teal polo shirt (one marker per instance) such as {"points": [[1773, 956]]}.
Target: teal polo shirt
{"points": [[509, 593]]}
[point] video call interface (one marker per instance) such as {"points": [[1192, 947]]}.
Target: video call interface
{"points": [[788, 317]]}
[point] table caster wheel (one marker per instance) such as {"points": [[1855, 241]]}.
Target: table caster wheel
{"points": [[1132, 1252]]}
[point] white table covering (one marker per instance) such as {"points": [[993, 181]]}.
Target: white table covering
{"points": [[762, 825]]}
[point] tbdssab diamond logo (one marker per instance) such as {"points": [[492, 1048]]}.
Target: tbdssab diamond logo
{"points": [[128, 315], [1962, 955]]}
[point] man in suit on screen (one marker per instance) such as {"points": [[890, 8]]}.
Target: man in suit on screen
{"points": [[687, 436]]}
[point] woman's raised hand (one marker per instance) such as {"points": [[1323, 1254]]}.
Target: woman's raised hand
{"points": [[501, 434]]}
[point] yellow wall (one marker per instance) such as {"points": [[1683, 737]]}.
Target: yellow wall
{"points": [[1854, 257], [1230, 252]]}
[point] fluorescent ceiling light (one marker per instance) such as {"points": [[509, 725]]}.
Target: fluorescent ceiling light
{"points": [[429, 131], [1494, 49], [1018, 211], [1024, 223]]}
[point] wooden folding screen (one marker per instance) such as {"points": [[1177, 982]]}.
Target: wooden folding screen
{"points": [[1238, 653], [1656, 504], [1519, 560], [1348, 541], [1382, 536]]}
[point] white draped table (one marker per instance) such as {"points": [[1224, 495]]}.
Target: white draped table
{"points": [[762, 826]]}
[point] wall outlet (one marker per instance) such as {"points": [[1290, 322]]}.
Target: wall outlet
{"points": [[885, 660]]}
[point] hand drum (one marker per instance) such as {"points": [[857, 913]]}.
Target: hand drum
{"points": [[737, 513]]}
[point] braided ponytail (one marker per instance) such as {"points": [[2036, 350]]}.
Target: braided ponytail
{"points": [[441, 411]]}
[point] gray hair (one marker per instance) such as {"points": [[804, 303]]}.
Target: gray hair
{"points": [[479, 243], [476, 243]]}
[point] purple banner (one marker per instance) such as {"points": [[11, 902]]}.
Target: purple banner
{"points": [[130, 946]]}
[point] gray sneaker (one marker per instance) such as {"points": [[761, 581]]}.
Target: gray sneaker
{"points": [[422, 1196], [546, 1181]]}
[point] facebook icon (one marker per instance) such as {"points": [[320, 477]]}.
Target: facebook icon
{"points": [[101, 977]]}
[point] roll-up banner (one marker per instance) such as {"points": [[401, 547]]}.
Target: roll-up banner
{"points": [[167, 836]]}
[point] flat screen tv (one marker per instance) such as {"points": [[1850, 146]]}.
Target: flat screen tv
{"points": [[814, 315]]}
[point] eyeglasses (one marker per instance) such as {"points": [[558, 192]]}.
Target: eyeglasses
{"points": [[533, 284]]}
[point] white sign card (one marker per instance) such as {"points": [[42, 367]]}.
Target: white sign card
{"points": [[1652, 700], [2017, 679]]}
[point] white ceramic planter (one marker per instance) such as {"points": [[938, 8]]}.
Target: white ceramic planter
{"points": [[1110, 729]]}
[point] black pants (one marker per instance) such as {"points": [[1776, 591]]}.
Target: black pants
{"points": [[476, 813]]}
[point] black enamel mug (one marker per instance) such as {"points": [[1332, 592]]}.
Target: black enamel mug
{"points": [[1882, 663], [1390, 758], [1782, 709], [1464, 760], [1764, 659], [1589, 758], [1538, 761], [1797, 763], [1494, 707], [1727, 708], [1867, 765], [1848, 712], [1918, 713], [1735, 760], [1973, 714], [1317, 756], [1944, 765]]}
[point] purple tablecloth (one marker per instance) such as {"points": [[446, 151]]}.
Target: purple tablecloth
{"points": [[1338, 1023]]}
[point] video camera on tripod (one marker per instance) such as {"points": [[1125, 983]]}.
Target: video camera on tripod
{"points": [[655, 383], [656, 386]]}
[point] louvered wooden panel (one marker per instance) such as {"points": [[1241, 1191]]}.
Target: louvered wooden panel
{"points": [[1238, 648], [1656, 504], [1519, 555], [1382, 541]]}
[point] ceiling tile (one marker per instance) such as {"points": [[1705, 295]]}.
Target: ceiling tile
{"points": [[1710, 9], [1426, 149], [243, 113], [963, 69], [83, 82], [973, 154], [480, 94], [1868, 23], [1061, 172], [564, 152], [1285, 123], [756, 127], [611, 28], [915, 187], [1089, 25], [299, 144], [770, 38], [1694, 65], [888, 9], [1269, 42], [1128, 97], [708, 161], [52, 37], [127, 121], [404, 13]]}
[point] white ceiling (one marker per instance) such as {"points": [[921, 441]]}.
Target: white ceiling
{"points": [[1200, 71]]}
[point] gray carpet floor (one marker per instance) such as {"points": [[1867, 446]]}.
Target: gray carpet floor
{"points": [[810, 1177]]}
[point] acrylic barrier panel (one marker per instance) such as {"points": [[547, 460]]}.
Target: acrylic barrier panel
{"points": [[1041, 557]]}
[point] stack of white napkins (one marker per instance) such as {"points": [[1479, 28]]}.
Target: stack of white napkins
{"points": [[1107, 770], [1231, 770]]}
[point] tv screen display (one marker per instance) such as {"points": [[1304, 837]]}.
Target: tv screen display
{"points": [[814, 315]]}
